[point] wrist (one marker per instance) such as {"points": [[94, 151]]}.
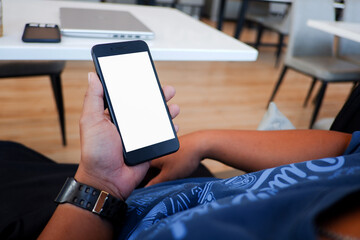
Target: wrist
{"points": [[68, 217], [208, 141], [99, 183], [96, 201]]}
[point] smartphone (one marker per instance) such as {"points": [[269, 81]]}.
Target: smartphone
{"points": [[135, 100], [41, 32]]}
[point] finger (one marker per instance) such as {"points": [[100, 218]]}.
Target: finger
{"points": [[176, 127], [139, 171], [158, 179], [93, 102], [174, 110], [157, 163], [169, 92]]}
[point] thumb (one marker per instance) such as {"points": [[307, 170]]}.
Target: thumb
{"points": [[93, 102]]}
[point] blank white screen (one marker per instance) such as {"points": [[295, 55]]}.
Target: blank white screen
{"points": [[136, 100]]}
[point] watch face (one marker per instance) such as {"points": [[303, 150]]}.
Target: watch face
{"points": [[92, 199]]}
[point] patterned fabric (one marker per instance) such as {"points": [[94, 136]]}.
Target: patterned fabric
{"points": [[276, 203]]}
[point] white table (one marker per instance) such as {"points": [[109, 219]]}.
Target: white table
{"points": [[178, 36], [341, 29]]}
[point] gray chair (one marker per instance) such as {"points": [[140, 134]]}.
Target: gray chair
{"points": [[265, 19], [310, 51], [191, 7], [347, 49], [53, 69]]}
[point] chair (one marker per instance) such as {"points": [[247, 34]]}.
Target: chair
{"points": [[347, 49], [191, 7], [279, 23], [310, 51], [53, 69]]}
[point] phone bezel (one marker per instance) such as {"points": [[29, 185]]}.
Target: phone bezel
{"points": [[150, 152]]}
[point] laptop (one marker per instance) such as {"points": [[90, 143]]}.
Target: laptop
{"points": [[96, 23]]}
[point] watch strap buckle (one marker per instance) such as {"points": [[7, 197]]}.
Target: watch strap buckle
{"points": [[100, 202]]}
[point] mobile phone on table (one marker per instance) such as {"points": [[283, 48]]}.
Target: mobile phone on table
{"points": [[135, 100], [41, 33]]}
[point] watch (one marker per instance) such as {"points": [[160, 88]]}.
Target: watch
{"points": [[92, 199]]}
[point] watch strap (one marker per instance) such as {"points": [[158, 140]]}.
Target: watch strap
{"points": [[99, 202]]}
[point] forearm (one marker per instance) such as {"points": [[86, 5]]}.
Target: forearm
{"points": [[71, 222], [255, 150]]}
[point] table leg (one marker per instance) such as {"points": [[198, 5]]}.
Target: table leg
{"points": [[241, 18]]}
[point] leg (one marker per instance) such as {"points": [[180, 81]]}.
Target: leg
{"points": [[174, 3], [279, 49], [146, 2], [15, 152], [309, 92], [57, 89], [241, 18], [31, 182], [260, 30], [221, 14], [318, 103], [278, 84]]}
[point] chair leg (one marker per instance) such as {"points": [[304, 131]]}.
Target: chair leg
{"points": [[309, 92], [146, 2], [279, 49], [278, 84], [260, 30], [316, 98], [221, 14], [57, 90], [241, 18], [173, 4], [355, 84], [319, 100]]}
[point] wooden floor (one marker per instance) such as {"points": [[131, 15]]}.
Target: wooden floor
{"points": [[212, 95]]}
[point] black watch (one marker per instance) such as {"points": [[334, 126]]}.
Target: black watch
{"points": [[92, 199]]}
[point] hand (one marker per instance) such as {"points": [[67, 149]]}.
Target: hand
{"points": [[182, 163], [102, 165]]}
